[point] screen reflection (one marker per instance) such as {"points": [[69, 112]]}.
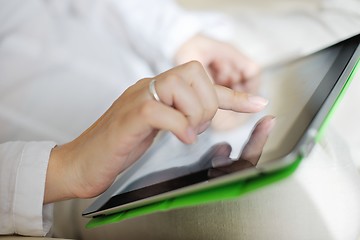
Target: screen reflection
{"points": [[217, 159]]}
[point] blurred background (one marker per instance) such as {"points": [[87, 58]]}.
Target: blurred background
{"points": [[270, 31]]}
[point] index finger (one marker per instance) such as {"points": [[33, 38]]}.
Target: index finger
{"points": [[229, 99]]}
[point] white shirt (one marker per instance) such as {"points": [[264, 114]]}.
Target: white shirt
{"points": [[62, 63], [22, 184]]}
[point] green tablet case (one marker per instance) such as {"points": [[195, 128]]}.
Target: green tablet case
{"points": [[222, 192]]}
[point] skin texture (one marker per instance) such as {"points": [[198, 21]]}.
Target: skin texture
{"points": [[228, 67], [189, 100]]}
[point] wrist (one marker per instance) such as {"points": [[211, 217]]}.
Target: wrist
{"points": [[58, 178]]}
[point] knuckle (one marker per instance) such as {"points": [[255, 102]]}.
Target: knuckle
{"points": [[141, 81], [174, 80], [194, 65], [239, 95]]}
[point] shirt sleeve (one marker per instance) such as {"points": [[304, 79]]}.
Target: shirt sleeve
{"points": [[157, 28], [23, 167]]}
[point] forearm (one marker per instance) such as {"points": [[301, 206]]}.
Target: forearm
{"points": [[57, 177]]}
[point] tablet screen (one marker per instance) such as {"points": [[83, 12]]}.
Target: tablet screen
{"points": [[296, 91]]}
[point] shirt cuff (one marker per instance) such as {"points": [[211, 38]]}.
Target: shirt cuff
{"points": [[30, 216]]}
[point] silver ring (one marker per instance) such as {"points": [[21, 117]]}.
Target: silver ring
{"points": [[152, 90]]}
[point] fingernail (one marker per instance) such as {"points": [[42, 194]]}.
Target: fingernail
{"points": [[191, 135], [258, 100]]}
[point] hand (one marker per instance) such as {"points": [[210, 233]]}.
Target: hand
{"points": [[227, 66], [88, 165]]}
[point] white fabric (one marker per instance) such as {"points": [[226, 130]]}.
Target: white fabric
{"points": [[22, 182], [62, 64], [164, 29]]}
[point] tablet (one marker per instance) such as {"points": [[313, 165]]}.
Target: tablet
{"points": [[301, 94]]}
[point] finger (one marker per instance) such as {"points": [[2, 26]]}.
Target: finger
{"points": [[197, 77], [239, 87], [232, 74], [251, 69], [250, 84], [239, 101], [253, 148], [203, 85], [221, 72], [175, 92], [163, 117], [244, 64]]}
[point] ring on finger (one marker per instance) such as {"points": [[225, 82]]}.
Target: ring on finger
{"points": [[152, 90]]}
